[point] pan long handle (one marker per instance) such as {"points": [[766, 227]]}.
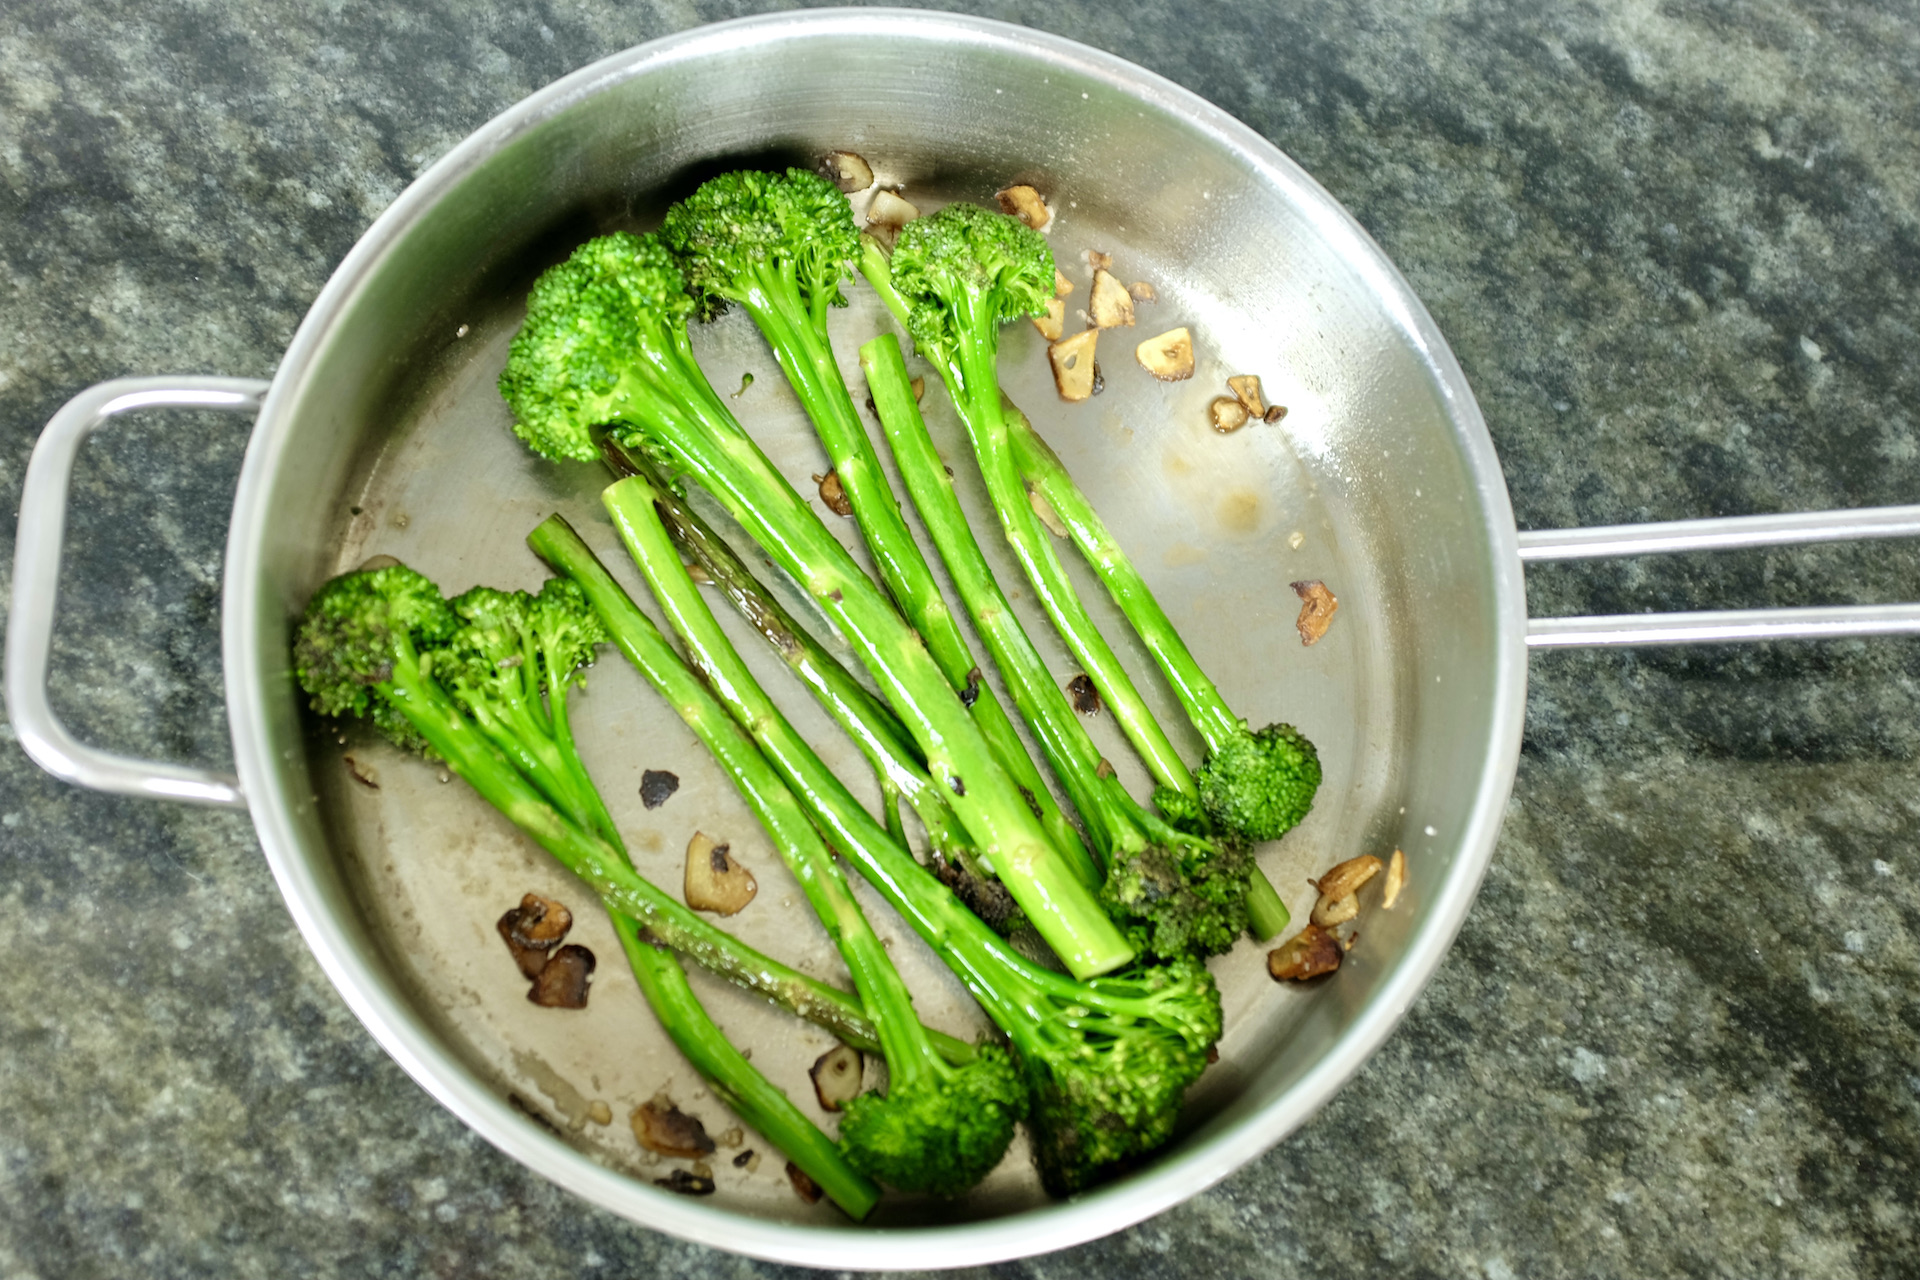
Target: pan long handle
{"points": [[1726, 624], [36, 580]]}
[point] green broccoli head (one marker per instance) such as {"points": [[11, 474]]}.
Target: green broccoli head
{"points": [[1180, 895], [486, 660], [944, 1134], [1107, 1088], [745, 231], [566, 627], [587, 320], [1182, 811], [355, 630], [511, 643], [1260, 783], [967, 269]]}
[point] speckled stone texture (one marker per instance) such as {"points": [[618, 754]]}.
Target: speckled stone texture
{"points": [[1677, 249]]}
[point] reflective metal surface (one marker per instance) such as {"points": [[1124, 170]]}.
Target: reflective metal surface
{"points": [[36, 583], [1722, 534], [1723, 626], [382, 434]]}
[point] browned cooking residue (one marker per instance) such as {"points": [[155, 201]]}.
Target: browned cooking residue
{"points": [[1239, 510], [1317, 605]]}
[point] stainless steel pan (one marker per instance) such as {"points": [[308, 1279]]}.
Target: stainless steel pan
{"points": [[381, 433]]}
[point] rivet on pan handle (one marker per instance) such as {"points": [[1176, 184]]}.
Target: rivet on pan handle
{"points": [[1718, 626], [36, 580]]}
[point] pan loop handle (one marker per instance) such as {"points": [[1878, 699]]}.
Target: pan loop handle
{"points": [[1720, 626], [36, 580]]}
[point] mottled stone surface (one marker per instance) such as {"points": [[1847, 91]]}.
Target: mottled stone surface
{"points": [[1677, 249]]}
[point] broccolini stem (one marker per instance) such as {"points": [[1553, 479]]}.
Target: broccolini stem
{"points": [[890, 810], [439, 721], [805, 356], [594, 815], [910, 1056], [1013, 990], [1267, 913], [736, 1081], [1197, 693], [681, 414], [1074, 757], [976, 397], [882, 739], [1119, 825], [1201, 698], [606, 871], [980, 410], [1060, 1026]]}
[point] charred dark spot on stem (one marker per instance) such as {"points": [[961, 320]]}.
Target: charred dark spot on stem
{"points": [[1032, 802], [980, 894], [616, 458]]}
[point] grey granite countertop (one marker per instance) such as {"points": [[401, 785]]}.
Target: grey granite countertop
{"points": [[1676, 247]]}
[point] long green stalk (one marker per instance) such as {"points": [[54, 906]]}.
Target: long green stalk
{"points": [[630, 502], [605, 350], [1215, 721], [453, 738], [738, 1083], [1121, 826], [683, 416], [1070, 1034], [1071, 752], [802, 349], [663, 983], [878, 733], [976, 397], [994, 426], [1198, 694], [590, 846]]}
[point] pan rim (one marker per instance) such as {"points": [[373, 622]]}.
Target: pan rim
{"points": [[251, 668]]}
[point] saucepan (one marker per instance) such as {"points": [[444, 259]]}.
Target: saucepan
{"points": [[381, 433]]}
